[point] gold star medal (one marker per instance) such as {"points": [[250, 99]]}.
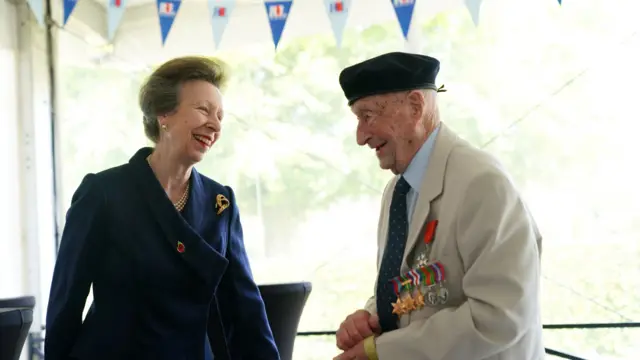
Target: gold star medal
{"points": [[409, 304], [419, 300], [398, 307]]}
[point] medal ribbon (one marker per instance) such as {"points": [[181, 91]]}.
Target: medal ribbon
{"points": [[397, 285], [430, 231], [436, 269], [415, 277], [441, 270], [431, 274]]}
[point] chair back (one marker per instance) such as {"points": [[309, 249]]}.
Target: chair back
{"points": [[16, 316], [284, 304]]}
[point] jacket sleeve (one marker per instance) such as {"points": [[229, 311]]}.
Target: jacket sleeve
{"points": [[74, 269], [499, 247], [241, 304]]}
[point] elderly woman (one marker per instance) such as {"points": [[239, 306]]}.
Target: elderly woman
{"points": [[160, 243]]}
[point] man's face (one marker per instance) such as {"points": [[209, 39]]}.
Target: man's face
{"points": [[390, 124]]}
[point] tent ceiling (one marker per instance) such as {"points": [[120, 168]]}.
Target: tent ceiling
{"points": [[138, 37]]}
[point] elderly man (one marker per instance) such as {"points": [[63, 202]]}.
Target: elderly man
{"points": [[458, 251]]}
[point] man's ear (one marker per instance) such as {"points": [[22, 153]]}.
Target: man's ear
{"points": [[416, 102]]}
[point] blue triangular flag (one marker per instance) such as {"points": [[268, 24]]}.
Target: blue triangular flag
{"points": [[404, 12], [167, 11], [474, 9], [115, 11], [278, 13], [220, 11], [560, 2], [37, 7], [338, 12], [67, 9]]}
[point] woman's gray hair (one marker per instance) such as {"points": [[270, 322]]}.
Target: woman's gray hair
{"points": [[160, 93]]}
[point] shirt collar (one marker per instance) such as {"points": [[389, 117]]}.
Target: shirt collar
{"points": [[418, 165]]}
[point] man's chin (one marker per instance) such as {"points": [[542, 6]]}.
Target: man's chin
{"points": [[387, 165]]}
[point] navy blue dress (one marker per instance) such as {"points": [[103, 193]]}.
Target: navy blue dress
{"points": [[166, 285]]}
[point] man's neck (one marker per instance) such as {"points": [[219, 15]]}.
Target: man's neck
{"points": [[416, 144]]}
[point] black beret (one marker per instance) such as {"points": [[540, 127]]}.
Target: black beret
{"points": [[387, 73]]}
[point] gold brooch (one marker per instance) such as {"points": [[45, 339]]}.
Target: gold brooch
{"points": [[221, 203]]}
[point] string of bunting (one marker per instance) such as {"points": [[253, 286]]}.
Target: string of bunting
{"points": [[220, 10]]}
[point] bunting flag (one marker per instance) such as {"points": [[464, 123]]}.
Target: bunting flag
{"points": [[220, 11], [67, 9], [167, 11], [37, 7], [560, 2], [115, 11], [338, 12], [474, 9], [404, 12], [278, 13]]}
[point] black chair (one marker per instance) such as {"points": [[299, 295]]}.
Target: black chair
{"points": [[16, 316], [284, 304]]}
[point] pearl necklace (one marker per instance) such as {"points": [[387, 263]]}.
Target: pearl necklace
{"points": [[182, 202]]}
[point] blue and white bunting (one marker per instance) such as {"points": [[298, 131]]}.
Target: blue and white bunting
{"points": [[115, 11], [404, 13], [167, 11], [37, 8], [220, 11], [560, 2], [338, 12], [474, 9], [67, 9], [278, 13]]}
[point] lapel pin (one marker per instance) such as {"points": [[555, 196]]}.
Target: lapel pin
{"points": [[180, 247], [221, 203]]}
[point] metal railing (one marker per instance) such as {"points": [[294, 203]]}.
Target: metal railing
{"points": [[36, 340]]}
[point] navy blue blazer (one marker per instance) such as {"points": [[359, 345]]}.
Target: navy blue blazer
{"points": [[163, 282]]}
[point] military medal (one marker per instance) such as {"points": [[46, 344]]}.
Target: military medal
{"points": [[419, 287], [432, 297], [398, 307], [409, 304], [402, 305], [428, 281], [443, 294], [419, 300], [422, 260], [429, 234]]}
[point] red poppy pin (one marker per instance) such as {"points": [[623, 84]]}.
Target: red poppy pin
{"points": [[180, 247]]}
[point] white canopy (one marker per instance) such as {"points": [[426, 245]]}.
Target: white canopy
{"points": [[138, 38]]}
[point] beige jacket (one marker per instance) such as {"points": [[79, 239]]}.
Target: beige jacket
{"points": [[490, 248]]}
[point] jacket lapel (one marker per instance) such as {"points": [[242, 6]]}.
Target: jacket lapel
{"points": [[180, 234], [431, 185]]}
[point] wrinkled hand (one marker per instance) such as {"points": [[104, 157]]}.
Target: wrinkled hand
{"points": [[355, 328], [355, 353]]}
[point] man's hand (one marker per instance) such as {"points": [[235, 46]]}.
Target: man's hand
{"points": [[355, 353], [355, 328]]}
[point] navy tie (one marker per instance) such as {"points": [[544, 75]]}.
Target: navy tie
{"points": [[392, 258]]}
